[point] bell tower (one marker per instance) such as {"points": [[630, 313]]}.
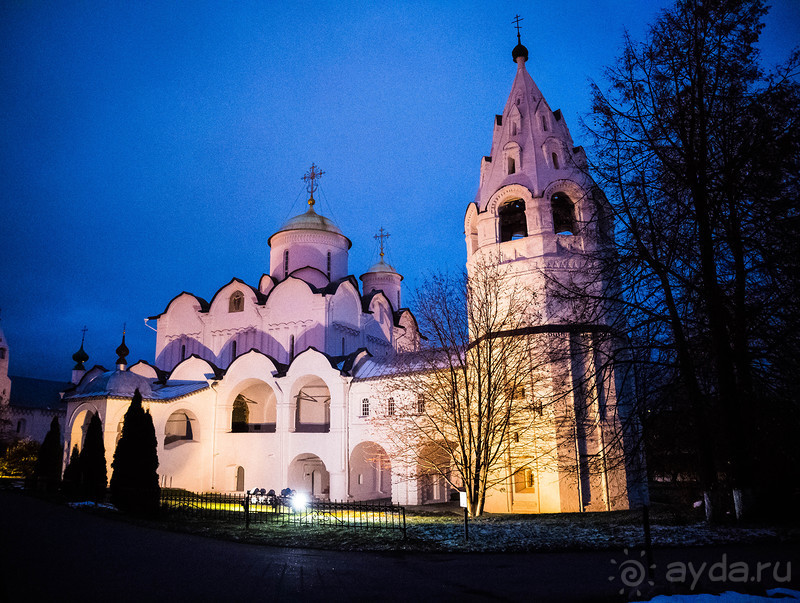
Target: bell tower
{"points": [[540, 219], [536, 203]]}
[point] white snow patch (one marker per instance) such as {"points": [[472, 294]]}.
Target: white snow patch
{"points": [[775, 594]]}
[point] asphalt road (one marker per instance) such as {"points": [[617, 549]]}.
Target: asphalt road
{"points": [[50, 552]]}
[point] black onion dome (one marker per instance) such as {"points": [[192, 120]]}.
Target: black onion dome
{"points": [[122, 351], [519, 51], [80, 357]]}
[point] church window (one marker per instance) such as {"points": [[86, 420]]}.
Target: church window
{"points": [[544, 123], [240, 416], [398, 299], [2, 353], [555, 160], [233, 350], [365, 407], [183, 352], [329, 265], [421, 404], [21, 426], [240, 479], [516, 437], [563, 214], [342, 346], [291, 346], [513, 224], [514, 129], [512, 165], [285, 263], [360, 479], [179, 427], [392, 408], [236, 302]]}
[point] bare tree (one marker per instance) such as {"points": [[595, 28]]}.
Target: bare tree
{"points": [[459, 402], [485, 402]]}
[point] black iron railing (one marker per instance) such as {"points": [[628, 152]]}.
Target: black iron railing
{"points": [[255, 508]]}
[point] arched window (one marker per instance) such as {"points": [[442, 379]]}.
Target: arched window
{"points": [[183, 352], [392, 408], [563, 214], [555, 160], [291, 346], [240, 416], [179, 428], [329, 264], [365, 407], [285, 263], [513, 224], [236, 302]]}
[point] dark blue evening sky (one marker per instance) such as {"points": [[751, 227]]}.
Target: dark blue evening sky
{"points": [[153, 147]]}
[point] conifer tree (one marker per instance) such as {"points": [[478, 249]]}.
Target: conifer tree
{"points": [[48, 465], [72, 474], [94, 476], [134, 482]]}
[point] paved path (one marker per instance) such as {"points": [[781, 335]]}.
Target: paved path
{"points": [[49, 552]]}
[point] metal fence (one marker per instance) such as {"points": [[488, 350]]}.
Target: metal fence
{"points": [[253, 508]]}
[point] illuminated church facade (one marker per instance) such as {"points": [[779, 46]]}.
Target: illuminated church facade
{"points": [[279, 384]]}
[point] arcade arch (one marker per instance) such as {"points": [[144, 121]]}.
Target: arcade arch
{"points": [[311, 406], [308, 474], [254, 409], [370, 472]]}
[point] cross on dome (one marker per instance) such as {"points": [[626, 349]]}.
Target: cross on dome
{"points": [[516, 21], [310, 178], [519, 52], [382, 234]]}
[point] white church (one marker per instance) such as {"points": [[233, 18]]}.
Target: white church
{"points": [[274, 384]]}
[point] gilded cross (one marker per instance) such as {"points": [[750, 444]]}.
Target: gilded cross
{"points": [[516, 21], [310, 178], [380, 237]]}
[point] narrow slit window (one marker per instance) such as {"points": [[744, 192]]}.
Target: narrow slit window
{"points": [[285, 263], [391, 408], [291, 346], [512, 166], [555, 160], [329, 265], [233, 350], [365, 407], [342, 346], [183, 352], [544, 123]]}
